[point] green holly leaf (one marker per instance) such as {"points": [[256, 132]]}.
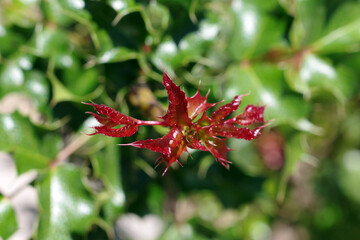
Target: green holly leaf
{"points": [[107, 168], [306, 28], [253, 32], [342, 34], [317, 74], [66, 205]]}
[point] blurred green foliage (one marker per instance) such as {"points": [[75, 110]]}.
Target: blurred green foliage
{"points": [[299, 57]]}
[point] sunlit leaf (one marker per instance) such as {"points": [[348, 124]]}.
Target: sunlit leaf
{"points": [[11, 78], [119, 54], [306, 28], [107, 168], [37, 86], [67, 206], [342, 33], [253, 31]]}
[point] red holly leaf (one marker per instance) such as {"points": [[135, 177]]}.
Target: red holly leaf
{"points": [[111, 119], [103, 120], [198, 104], [217, 147], [177, 113], [162, 145], [205, 134], [125, 131], [226, 109], [112, 114], [252, 114], [196, 144], [170, 146], [228, 130]]}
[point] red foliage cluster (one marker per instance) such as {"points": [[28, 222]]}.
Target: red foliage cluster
{"points": [[190, 126]]}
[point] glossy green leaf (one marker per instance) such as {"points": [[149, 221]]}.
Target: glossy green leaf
{"points": [[25, 61], [193, 46], [123, 8], [166, 55], [27, 159], [318, 74], [62, 93], [78, 80], [342, 33], [51, 41], [11, 78], [107, 168], [8, 223], [104, 40], [66, 205], [73, 5], [18, 136], [31, 83], [37, 86], [306, 28], [65, 59], [118, 54], [121, 5], [253, 31], [158, 16], [16, 131]]}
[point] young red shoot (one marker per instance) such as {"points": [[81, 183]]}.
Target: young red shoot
{"points": [[189, 125]]}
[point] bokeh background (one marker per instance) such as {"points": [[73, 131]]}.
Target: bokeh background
{"points": [[299, 181]]}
